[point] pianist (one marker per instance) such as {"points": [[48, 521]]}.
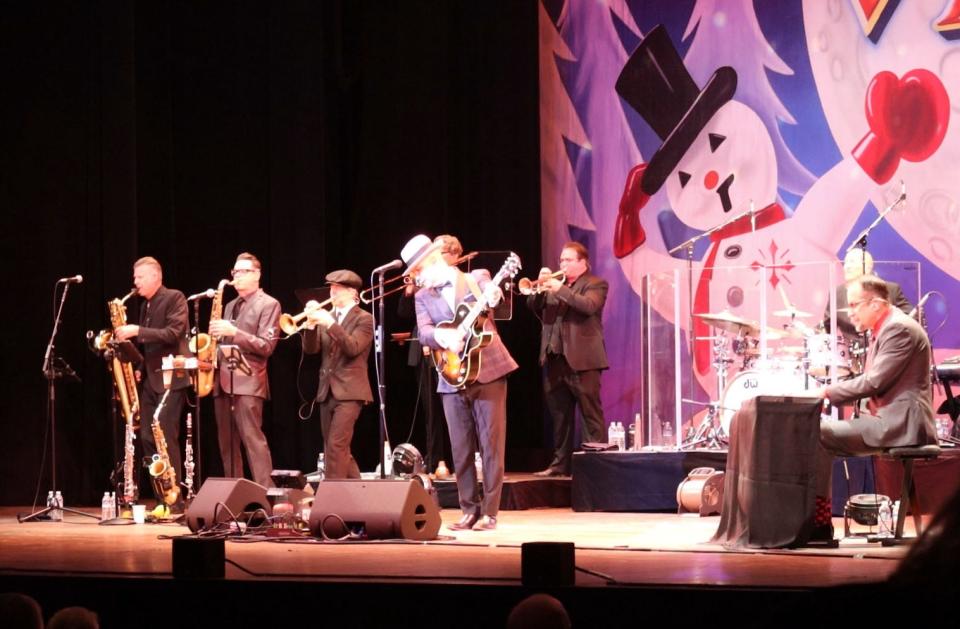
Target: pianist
{"points": [[896, 381]]}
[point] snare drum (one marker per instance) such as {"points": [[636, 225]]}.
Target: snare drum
{"points": [[751, 383], [821, 356]]}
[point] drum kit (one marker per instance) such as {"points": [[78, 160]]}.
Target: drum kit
{"points": [[789, 369]]}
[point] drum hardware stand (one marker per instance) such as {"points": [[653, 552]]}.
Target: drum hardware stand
{"points": [[710, 431], [55, 367]]}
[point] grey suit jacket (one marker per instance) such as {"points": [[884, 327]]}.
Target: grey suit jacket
{"points": [[257, 336], [495, 361], [897, 381], [345, 349], [578, 310]]}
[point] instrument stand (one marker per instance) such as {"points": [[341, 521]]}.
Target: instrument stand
{"points": [[710, 430], [235, 361], [53, 369]]}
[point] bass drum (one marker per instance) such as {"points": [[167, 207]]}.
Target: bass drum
{"points": [[751, 383]]}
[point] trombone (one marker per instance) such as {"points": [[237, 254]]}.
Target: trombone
{"points": [[370, 295], [291, 324], [535, 287]]}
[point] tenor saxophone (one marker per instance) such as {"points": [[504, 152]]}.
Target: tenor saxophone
{"points": [[205, 346], [123, 376], [162, 474]]}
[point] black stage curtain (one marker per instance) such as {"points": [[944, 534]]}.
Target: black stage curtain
{"points": [[317, 135]]}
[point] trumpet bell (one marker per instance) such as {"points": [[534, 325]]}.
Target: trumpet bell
{"points": [[291, 324]]}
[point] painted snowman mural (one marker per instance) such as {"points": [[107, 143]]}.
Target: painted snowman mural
{"points": [[717, 160]]}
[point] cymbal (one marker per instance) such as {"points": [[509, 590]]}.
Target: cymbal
{"points": [[726, 320], [792, 313]]}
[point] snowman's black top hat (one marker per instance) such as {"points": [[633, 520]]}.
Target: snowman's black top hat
{"points": [[656, 83]]}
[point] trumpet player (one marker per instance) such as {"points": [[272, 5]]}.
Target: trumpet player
{"points": [[161, 330], [250, 323], [572, 351], [343, 336]]}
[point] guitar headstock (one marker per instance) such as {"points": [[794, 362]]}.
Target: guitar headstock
{"points": [[510, 266]]}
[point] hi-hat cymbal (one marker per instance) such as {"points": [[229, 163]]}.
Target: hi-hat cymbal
{"points": [[792, 313], [730, 322]]}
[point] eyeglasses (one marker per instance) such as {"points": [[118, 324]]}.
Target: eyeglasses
{"points": [[236, 272], [853, 305]]}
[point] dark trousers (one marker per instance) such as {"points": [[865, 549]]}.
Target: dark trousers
{"points": [[169, 420], [244, 425], [840, 438], [477, 419], [337, 418], [564, 390], [437, 442]]}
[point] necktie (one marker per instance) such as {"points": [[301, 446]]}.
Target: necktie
{"points": [[238, 307], [339, 317]]}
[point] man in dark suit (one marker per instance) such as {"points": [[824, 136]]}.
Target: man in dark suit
{"points": [[343, 335], [250, 323], [476, 414], [161, 330], [571, 351], [896, 380]]}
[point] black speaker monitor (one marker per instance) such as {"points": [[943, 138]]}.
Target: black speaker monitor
{"points": [[238, 495], [378, 509]]}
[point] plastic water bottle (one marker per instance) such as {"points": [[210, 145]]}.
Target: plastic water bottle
{"points": [[621, 437], [57, 513], [667, 433], [113, 504], [611, 432], [105, 507], [320, 465], [885, 518], [50, 505]]}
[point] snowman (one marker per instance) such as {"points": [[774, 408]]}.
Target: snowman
{"points": [[717, 162]]}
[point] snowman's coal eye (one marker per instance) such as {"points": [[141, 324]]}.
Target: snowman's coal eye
{"points": [[684, 178], [715, 141]]}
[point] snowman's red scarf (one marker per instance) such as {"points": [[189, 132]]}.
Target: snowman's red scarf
{"points": [[769, 215]]}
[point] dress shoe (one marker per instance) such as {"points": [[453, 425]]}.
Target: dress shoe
{"points": [[487, 523], [551, 471], [465, 524]]}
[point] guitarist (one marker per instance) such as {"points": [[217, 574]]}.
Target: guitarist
{"points": [[476, 414], [572, 352]]}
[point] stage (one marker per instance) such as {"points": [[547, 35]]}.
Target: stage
{"points": [[626, 562]]}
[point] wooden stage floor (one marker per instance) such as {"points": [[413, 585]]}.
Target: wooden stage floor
{"points": [[628, 548]]}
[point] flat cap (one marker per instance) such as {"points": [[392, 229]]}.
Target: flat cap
{"points": [[344, 277]]}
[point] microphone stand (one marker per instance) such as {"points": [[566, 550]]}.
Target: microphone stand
{"points": [[53, 368], [380, 364]]}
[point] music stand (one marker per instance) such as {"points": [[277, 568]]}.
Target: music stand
{"points": [[234, 359]]}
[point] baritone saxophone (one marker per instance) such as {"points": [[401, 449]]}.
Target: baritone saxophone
{"points": [[123, 376]]}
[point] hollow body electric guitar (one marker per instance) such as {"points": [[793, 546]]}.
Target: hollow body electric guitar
{"points": [[462, 368]]}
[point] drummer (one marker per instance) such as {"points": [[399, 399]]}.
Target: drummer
{"points": [[856, 263]]}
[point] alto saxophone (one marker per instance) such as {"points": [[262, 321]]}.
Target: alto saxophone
{"points": [[205, 346], [162, 474], [123, 377]]}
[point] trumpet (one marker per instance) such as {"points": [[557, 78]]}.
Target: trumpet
{"points": [[291, 324], [535, 287]]}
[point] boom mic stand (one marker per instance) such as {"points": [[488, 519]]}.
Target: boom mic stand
{"points": [[53, 368], [379, 359]]}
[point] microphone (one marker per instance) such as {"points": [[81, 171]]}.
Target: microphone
{"points": [[923, 300], [76, 279], [396, 264], [207, 294]]}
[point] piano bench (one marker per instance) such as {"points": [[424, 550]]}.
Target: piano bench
{"points": [[908, 490]]}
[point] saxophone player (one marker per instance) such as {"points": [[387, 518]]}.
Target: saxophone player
{"points": [[250, 323], [161, 331]]}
